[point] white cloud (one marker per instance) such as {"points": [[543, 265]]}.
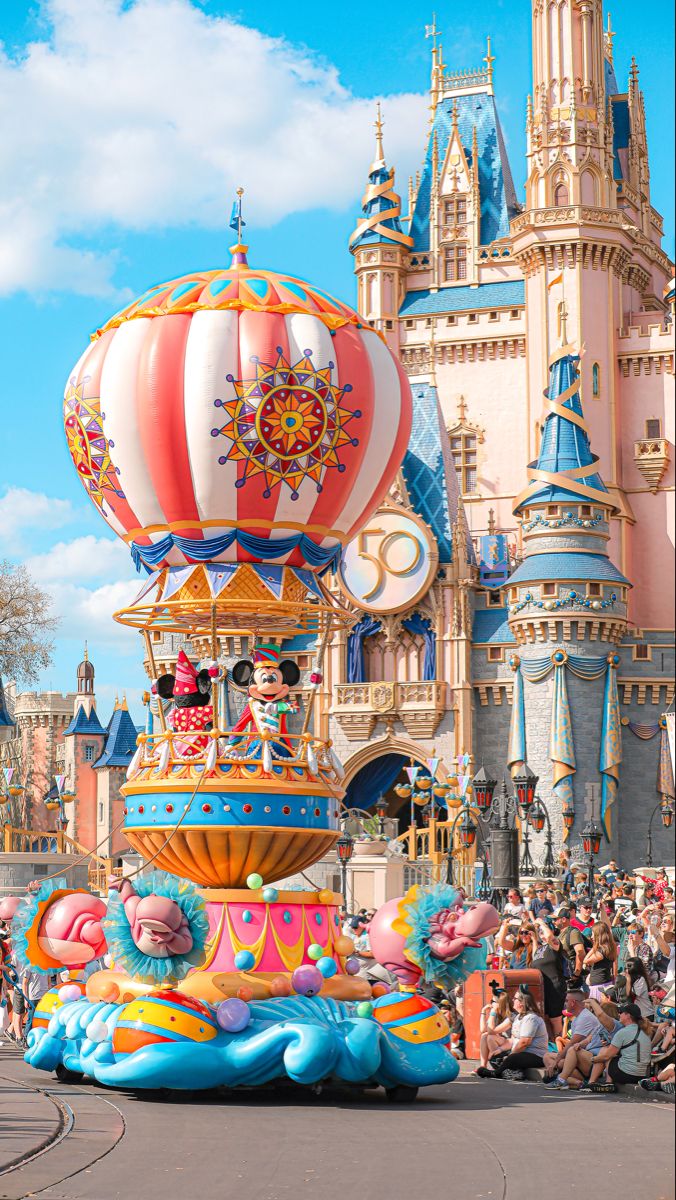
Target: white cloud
{"points": [[22, 510], [87, 613], [84, 558], [150, 114]]}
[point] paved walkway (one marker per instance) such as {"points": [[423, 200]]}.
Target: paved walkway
{"points": [[471, 1139]]}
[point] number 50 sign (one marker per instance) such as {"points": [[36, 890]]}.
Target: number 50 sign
{"points": [[391, 563]]}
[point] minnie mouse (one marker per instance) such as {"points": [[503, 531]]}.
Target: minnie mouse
{"points": [[192, 711], [268, 682]]}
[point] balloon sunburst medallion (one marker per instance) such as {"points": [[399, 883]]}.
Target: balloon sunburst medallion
{"points": [[287, 423], [88, 444]]}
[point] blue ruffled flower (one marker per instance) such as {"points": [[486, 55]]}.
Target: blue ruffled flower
{"points": [[25, 918], [418, 914]]}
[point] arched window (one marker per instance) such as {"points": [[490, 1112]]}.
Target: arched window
{"points": [[596, 380], [561, 190]]}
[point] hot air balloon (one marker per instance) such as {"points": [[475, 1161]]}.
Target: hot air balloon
{"points": [[236, 428]]}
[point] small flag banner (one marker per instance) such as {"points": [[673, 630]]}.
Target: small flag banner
{"points": [[432, 764], [412, 773], [60, 780], [8, 773], [463, 780]]}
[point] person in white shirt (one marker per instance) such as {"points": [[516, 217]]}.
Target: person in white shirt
{"points": [[584, 1025], [515, 906], [529, 1041]]}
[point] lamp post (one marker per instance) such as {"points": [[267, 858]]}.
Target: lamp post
{"points": [[666, 811], [591, 844], [539, 818], [496, 826], [344, 848], [381, 813]]}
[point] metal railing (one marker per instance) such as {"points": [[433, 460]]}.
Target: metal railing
{"points": [[33, 841], [213, 749]]}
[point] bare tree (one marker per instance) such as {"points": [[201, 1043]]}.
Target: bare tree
{"points": [[26, 625]]}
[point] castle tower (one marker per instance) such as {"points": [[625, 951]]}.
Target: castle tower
{"points": [[567, 612], [380, 248], [84, 740], [589, 241]]}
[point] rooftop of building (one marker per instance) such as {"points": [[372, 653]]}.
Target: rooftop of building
{"points": [[568, 567], [120, 741], [491, 626], [428, 469], [475, 110], [84, 722], [509, 293]]}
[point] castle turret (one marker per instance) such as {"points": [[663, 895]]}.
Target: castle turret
{"points": [[567, 612], [380, 247]]}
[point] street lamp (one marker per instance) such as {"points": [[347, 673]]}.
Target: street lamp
{"points": [[591, 844], [568, 817], [382, 809], [539, 818], [525, 783], [666, 811], [344, 848]]}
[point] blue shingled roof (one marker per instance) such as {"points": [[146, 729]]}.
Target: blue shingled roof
{"points": [[81, 723], [491, 625], [379, 205], [564, 446], [496, 188], [120, 742], [621, 134], [428, 469], [508, 294], [566, 566], [611, 81]]}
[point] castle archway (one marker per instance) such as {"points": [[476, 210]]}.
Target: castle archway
{"points": [[373, 772]]}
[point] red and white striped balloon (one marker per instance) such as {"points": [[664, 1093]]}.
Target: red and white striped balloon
{"points": [[239, 402]]}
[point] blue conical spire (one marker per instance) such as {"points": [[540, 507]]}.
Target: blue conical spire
{"points": [[381, 205], [565, 467]]}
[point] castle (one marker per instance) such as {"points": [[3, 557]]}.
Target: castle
{"points": [[547, 524]]}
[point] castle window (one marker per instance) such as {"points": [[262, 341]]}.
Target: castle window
{"points": [[653, 428], [455, 263], [452, 320], [389, 325], [428, 322], [473, 318], [514, 593], [492, 316], [594, 589], [549, 589], [642, 652], [157, 635], [495, 599], [514, 314], [552, 510], [596, 380], [495, 653], [100, 812], [455, 211], [561, 194], [89, 753], [409, 324], [463, 449], [585, 510]]}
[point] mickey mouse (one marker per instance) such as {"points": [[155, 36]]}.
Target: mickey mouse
{"points": [[268, 682], [192, 711]]}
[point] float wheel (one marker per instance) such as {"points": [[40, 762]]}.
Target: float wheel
{"points": [[65, 1075], [401, 1094]]}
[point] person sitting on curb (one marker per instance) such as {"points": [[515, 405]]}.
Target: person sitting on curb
{"points": [[583, 1027], [577, 1064], [626, 1057], [495, 1025], [529, 1041], [662, 1082]]}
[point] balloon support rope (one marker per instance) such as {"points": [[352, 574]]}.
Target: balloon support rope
{"points": [[176, 828], [320, 668], [81, 857]]}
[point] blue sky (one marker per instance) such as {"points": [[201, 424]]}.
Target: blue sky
{"points": [[126, 128]]}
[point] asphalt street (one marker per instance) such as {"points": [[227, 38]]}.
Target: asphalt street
{"points": [[471, 1140]]}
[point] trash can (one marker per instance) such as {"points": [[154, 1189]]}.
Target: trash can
{"points": [[477, 993]]}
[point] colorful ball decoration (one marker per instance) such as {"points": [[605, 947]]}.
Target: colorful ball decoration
{"points": [[97, 1031], [70, 992], [245, 993], [343, 945], [280, 986], [244, 960], [307, 981], [254, 881], [162, 1016], [364, 1008], [352, 966], [380, 989], [233, 413], [233, 1015], [327, 967], [325, 896], [270, 895], [315, 951]]}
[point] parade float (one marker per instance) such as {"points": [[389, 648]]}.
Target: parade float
{"points": [[236, 428]]}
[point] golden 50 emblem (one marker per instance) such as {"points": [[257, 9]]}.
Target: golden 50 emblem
{"points": [[391, 563]]}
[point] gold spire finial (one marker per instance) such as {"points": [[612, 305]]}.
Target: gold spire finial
{"points": [[609, 38], [432, 32], [489, 59], [378, 126], [563, 317], [86, 653]]}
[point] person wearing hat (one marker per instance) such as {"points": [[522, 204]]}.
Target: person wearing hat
{"points": [[626, 1057]]}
